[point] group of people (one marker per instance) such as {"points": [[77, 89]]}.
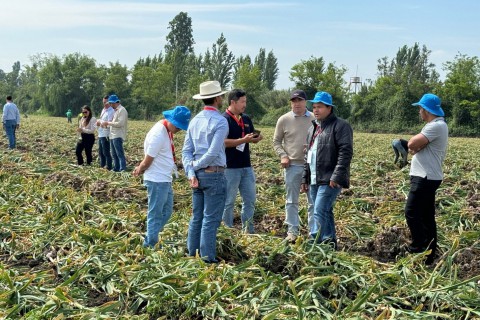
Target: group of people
{"points": [[315, 150], [112, 132]]}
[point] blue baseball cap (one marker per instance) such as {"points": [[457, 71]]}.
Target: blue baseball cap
{"points": [[113, 99], [431, 103], [322, 97], [179, 117]]}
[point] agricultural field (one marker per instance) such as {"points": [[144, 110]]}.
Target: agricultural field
{"points": [[71, 241]]}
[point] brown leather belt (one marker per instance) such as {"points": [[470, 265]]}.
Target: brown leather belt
{"points": [[214, 169]]}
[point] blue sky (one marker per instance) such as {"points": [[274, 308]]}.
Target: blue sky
{"points": [[354, 34]]}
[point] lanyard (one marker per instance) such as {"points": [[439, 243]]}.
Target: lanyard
{"points": [[210, 108], [238, 121], [317, 132], [170, 135]]}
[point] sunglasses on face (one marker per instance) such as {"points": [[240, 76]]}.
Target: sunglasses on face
{"points": [[84, 112]]}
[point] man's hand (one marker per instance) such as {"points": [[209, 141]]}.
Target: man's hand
{"points": [[193, 182], [285, 162], [333, 184], [136, 172], [304, 187], [248, 138], [257, 138]]}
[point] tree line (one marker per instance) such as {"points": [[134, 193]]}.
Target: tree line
{"points": [[51, 85]]}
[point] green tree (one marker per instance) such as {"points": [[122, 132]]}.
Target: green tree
{"points": [[314, 75], [461, 93], [248, 78], [270, 74], [151, 90], [179, 47], [219, 64], [116, 81]]}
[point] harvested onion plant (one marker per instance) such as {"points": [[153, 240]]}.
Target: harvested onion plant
{"points": [[71, 241]]}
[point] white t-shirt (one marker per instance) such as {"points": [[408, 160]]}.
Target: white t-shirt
{"points": [[428, 161], [157, 145]]}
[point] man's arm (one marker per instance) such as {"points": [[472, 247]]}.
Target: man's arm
{"points": [[417, 143], [121, 120], [187, 155], [344, 141], [231, 143], [278, 137], [143, 166]]}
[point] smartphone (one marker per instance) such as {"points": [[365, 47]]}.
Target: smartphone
{"points": [[256, 133]]}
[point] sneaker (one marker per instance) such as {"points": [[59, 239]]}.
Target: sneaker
{"points": [[291, 237]]}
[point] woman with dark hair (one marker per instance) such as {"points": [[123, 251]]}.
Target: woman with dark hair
{"points": [[86, 139]]}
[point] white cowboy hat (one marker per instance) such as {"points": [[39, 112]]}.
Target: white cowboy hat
{"points": [[209, 89]]}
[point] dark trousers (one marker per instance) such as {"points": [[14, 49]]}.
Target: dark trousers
{"points": [[87, 142], [104, 152], [420, 214]]}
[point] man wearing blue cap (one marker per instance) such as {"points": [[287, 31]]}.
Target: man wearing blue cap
{"points": [[428, 149], [118, 133], [157, 167], [327, 165]]}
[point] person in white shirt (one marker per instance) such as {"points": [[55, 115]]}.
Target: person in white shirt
{"points": [[11, 121], [157, 168], [428, 148], [103, 135], [86, 138], [118, 133]]}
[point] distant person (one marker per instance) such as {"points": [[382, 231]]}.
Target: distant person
{"points": [[289, 143], [118, 133], [327, 165], [157, 168], [204, 160], [86, 129], [428, 148], [11, 121], [106, 116], [69, 116], [239, 172], [400, 148]]}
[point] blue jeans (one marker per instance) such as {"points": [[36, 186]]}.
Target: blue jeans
{"points": [[242, 179], [118, 155], [293, 180], [208, 203], [160, 208], [10, 128], [324, 198], [104, 153]]}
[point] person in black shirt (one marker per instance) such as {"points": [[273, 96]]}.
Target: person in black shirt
{"points": [[239, 172]]}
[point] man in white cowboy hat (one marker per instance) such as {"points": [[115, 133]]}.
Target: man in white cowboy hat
{"points": [[327, 166], [289, 143], [429, 148], [204, 160], [157, 167]]}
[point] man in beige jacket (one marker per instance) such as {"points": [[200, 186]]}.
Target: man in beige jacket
{"points": [[289, 142]]}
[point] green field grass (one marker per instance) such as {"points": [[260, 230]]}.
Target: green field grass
{"points": [[71, 241]]}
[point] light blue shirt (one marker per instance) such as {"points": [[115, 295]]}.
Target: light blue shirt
{"points": [[106, 115], [204, 144], [10, 112]]}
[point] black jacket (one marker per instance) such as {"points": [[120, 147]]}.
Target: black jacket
{"points": [[334, 152]]}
